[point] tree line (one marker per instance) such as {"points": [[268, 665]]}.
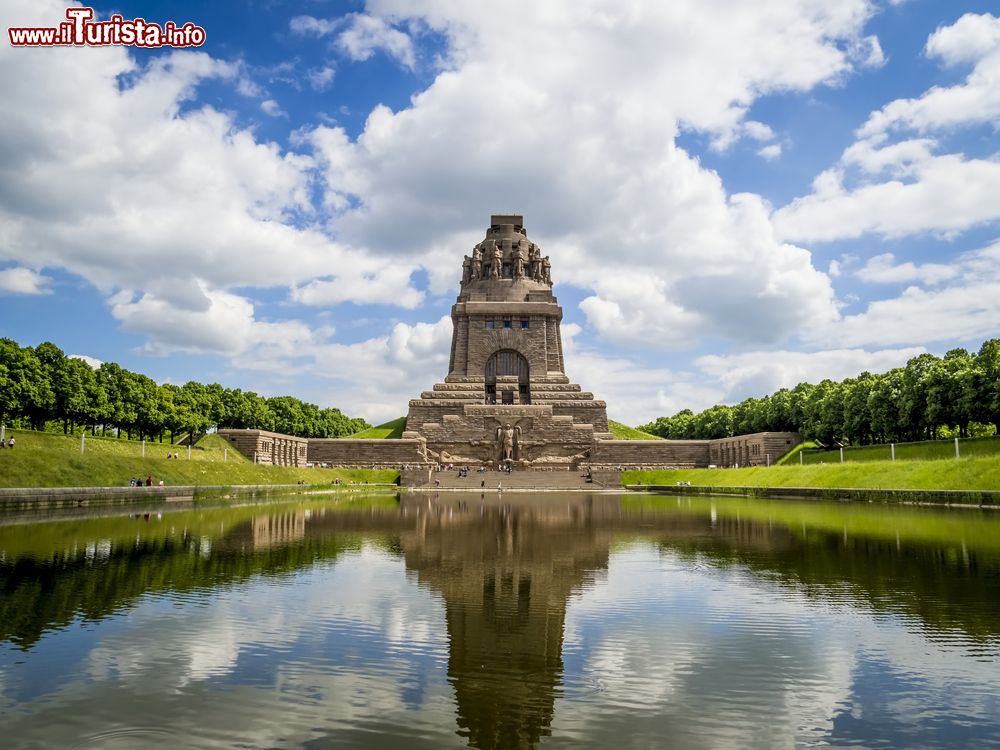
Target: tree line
{"points": [[40, 387], [931, 397]]}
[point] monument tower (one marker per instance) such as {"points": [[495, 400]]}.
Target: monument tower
{"points": [[506, 397]]}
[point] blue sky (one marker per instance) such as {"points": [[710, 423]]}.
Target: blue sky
{"points": [[735, 198]]}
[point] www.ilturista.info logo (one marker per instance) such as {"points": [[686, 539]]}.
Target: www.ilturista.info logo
{"points": [[81, 30]]}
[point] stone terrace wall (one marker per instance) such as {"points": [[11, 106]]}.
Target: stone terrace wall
{"points": [[263, 447], [757, 449], [366, 454], [650, 454]]}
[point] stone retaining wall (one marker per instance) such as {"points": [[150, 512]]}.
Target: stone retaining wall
{"points": [[366, 454], [650, 454], [32, 498], [983, 498], [268, 448]]}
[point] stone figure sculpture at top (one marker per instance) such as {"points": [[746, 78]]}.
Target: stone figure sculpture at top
{"points": [[518, 264], [517, 259], [496, 267], [476, 265]]}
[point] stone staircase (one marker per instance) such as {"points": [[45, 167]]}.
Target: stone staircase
{"points": [[519, 480]]}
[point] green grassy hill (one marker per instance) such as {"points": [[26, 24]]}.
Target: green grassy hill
{"points": [[389, 431], [624, 432], [975, 473], [47, 460]]}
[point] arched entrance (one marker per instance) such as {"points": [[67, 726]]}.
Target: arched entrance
{"points": [[507, 363]]}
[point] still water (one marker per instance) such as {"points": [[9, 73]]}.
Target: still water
{"points": [[523, 621]]}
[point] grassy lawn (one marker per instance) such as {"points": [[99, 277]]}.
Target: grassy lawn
{"points": [[624, 432], [922, 451], [974, 473], [389, 431], [47, 460]]}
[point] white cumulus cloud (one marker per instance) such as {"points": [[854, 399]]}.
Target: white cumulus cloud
{"points": [[23, 281]]}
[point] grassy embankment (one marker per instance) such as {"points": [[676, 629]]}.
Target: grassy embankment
{"points": [[46, 460], [926, 450], [392, 430], [974, 473], [624, 432]]}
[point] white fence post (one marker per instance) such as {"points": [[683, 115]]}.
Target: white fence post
{"points": [[841, 454], [957, 454], [892, 448], [83, 437], [144, 447]]}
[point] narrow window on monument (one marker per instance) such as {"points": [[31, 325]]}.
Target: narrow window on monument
{"points": [[525, 396], [506, 323], [508, 397], [524, 324], [489, 324], [491, 394]]}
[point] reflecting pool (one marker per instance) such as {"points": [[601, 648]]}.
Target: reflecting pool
{"points": [[520, 621]]}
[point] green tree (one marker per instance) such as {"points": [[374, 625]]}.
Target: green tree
{"points": [[857, 416], [24, 389], [289, 417], [913, 399], [988, 384], [884, 399]]}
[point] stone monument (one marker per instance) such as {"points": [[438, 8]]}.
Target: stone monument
{"points": [[506, 401], [506, 398]]}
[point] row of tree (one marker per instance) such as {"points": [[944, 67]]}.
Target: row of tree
{"points": [[41, 385], [929, 398]]}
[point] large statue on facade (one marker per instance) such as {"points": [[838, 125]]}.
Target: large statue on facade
{"points": [[476, 264], [534, 262], [546, 271], [496, 266], [518, 262], [507, 438]]}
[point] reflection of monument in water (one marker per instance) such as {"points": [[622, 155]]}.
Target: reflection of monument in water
{"points": [[505, 574], [280, 528]]}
